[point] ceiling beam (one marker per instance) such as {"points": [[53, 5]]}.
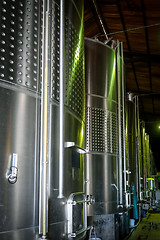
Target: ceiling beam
{"points": [[148, 50], [141, 57], [129, 48], [127, 40]]}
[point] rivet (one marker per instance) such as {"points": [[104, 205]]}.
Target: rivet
{"points": [[20, 42], [19, 65], [27, 75], [20, 34], [20, 57], [20, 19], [19, 80]]}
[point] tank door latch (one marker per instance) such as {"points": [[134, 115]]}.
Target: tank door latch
{"points": [[13, 171], [77, 206]]}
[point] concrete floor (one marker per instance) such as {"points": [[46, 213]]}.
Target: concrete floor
{"points": [[148, 228]]}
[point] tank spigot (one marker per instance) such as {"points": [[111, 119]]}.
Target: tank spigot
{"points": [[12, 177], [44, 237]]}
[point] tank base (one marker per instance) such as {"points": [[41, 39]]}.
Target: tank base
{"points": [[106, 226]]}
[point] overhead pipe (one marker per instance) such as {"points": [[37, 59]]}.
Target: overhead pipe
{"points": [[61, 99], [100, 18], [124, 125], [119, 127]]}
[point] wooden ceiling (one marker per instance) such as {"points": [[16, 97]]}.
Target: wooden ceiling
{"points": [[137, 24]]}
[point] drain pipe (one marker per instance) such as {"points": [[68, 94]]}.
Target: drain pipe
{"points": [[44, 122], [61, 98], [139, 157], [119, 126], [124, 127], [45, 117], [137, 166]]}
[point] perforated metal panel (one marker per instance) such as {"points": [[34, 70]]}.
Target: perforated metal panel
{"points": [[101, 129], [74, 64], [55, 57], [19, 42]]}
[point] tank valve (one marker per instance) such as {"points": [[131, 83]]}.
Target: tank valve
{"points": [[12, 177], [90, 199]]}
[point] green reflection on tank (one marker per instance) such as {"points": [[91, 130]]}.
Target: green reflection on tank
{"points": [[76, 78], [112, 80]]}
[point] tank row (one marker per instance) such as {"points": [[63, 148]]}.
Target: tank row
{"points": [[75, 157]]}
